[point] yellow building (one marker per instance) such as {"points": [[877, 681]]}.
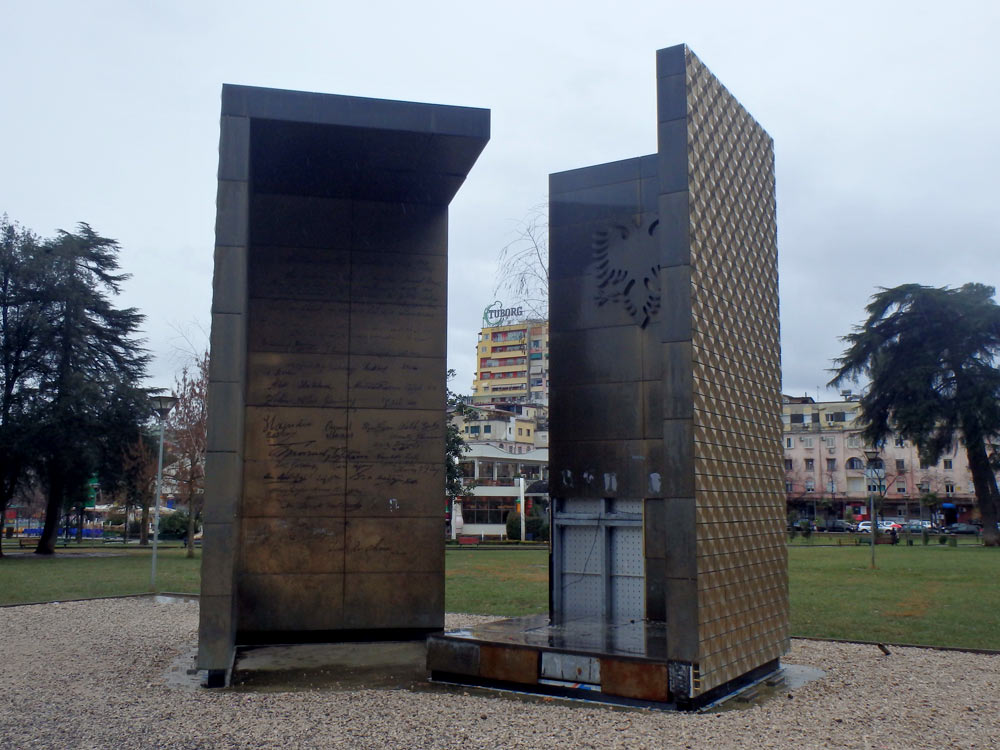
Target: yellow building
{"points": [[512, 362]]}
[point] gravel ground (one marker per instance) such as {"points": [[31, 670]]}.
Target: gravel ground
{"points": [[95, 675]]}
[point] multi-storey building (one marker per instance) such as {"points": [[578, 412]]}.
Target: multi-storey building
{"points": [[512, 364], [505, 423], [825, 469], [514, 432], [492, 475]]}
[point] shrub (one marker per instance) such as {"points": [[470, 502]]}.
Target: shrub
{"points": [[538, 528], [174, 526], [514, 526], [535, 526]]}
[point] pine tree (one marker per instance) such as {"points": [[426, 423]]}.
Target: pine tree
{"points": [[93, 367], [931, 357], [22, 326]]}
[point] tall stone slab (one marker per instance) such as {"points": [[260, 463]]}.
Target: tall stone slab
{"points": [[325, 468], [665, 406]]}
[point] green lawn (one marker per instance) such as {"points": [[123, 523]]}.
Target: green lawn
{"points": [[935, 595], [497, 582], [98, 571]]}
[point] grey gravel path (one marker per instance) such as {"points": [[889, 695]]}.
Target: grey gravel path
{"points": [[94, 675]]}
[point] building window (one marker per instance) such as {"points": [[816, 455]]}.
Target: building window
{"points": [[487, 428], [949, 488], [900, 442], [520, 431], [788, 464], [831, 464], [924, 466], [831, 487], [810, 464], [947, 464], [807, 442], [853, 442], [810, 485], [789, 488], [527, 431], [855, 463], [789, 442], [829, 417], [900, 464], [900, 488], [487, 510]]}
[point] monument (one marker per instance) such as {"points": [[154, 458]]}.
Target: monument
{"points": [[325, 466], [668, 566]]}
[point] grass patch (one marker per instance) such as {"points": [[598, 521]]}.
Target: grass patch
{"points": [[497, 582], [79, 574], [935, 595]]}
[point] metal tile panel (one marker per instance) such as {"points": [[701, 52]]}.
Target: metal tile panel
{"points": [[736, 381]]}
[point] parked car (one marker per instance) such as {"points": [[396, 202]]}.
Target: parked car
{"points": [[838, 525], [917, 527], [865, 527], [961, 528]]}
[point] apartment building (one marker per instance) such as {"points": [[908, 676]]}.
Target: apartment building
{"points": [[825, 469], [514, 431], [512, 363]]}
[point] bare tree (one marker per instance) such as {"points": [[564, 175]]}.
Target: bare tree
{"points": [[139, 476], [188, 428], [523, 266]]}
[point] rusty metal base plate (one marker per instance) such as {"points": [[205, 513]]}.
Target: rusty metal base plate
{"points": [[615, 662]]}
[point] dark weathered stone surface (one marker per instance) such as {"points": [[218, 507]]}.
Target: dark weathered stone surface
{"points": [[326, 431]]}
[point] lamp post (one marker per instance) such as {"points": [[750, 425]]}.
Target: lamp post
{"points": [[874, 470], [162, 406]]}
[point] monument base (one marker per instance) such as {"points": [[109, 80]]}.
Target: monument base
{"points": [[620, 662]]}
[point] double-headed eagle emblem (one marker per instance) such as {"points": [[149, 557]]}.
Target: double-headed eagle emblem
{"points": [[623, 273]]}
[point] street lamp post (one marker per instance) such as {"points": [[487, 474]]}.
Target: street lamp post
{"points": [[162, 406], [875, 470]]}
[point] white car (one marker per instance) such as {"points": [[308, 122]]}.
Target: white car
{"points": [[865, 527]]}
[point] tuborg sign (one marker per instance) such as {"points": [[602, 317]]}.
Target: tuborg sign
{"points": [[496, 314]]}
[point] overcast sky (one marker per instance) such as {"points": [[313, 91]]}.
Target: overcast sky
{"points": [[884, 117]]}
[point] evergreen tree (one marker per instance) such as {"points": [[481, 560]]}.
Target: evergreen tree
{"points": [[93, 366], [455, 448], [931, 357], [23, 322]]}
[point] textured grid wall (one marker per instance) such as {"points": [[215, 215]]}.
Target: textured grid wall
{"points": [[740, 549]]}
